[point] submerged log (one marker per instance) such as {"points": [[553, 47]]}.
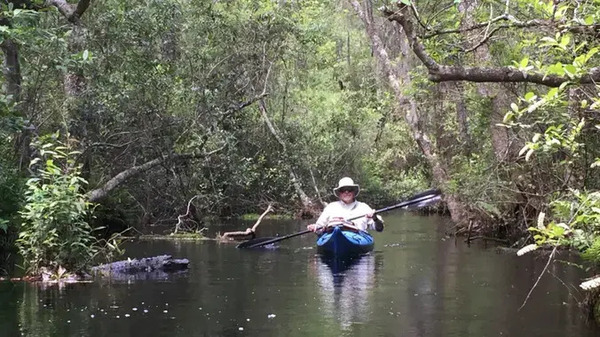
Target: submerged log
{"points": [[162, 263]]}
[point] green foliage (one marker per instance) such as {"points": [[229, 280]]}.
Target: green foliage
{"points": [[559, 121], [54, 231], [11, 183], [575, 222], [159, 77], [11, 189], [593, 252]]}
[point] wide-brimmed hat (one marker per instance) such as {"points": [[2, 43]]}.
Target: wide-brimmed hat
{"points": [[346, 182]]}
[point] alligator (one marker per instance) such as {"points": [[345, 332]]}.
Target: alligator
{"points": [[154, 267]]}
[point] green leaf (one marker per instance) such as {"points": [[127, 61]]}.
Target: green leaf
{"points": [[570, 69], [591, 53], [565, 40], [524, 62], [529, 96], [557, 69]]}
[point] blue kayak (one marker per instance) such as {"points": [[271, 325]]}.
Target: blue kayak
{"points": [[340, 242]]}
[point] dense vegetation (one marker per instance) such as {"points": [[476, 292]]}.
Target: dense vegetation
{"points": [[138, 106]]}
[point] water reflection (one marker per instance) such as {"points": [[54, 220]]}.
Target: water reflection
{"points": [[345, 285], [415, 283]]}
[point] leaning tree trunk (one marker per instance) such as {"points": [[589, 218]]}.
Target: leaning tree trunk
{"points": [[397, 78], [307, 204]]}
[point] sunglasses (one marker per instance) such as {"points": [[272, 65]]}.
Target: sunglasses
{"points": [[346, 189]]}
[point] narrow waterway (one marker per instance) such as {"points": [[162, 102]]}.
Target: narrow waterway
{"points": [[417, 282]]}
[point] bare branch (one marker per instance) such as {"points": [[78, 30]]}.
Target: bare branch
{"points": [[63, 7], [71, 12], [242, 105], [249, 233], [414, 42], [269, 209], [484, 40], [82, 6], [539, 277], [102, 192], [181, 218], [116, 146]]}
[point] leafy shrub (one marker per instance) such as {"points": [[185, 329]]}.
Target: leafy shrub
{"points": [[575, 222], [54, 231]]}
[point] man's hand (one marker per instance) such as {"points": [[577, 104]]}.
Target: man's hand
{"points": [[378, 223], [377, 220], [313, 227]]}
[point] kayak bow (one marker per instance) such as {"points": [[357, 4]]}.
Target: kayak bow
{"points": [[339, 242]]}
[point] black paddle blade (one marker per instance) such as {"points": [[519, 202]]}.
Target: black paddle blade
{"points": [[432, 192], [426, 202], [250, 243]]}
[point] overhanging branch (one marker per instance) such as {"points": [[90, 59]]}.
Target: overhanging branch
{"points": [[114, 182], [443, 73]]}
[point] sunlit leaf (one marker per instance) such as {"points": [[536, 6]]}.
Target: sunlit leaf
{"points": [[528, 155], [523, 150], [514, 107], [570, 69], [529, 96], [540, 220]]}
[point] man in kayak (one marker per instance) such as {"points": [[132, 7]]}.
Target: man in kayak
{"points": [[348, 207]]}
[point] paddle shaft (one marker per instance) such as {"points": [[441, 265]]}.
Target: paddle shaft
{"points": [[416, 199]]}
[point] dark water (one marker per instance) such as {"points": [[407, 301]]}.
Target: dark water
{"points": [[417, 282]]}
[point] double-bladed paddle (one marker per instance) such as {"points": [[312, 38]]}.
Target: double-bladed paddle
{"points": [[419, 200]]}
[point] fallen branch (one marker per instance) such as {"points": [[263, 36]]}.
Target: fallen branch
{"points": [[485, 238], [180, 219], [249, 233]]}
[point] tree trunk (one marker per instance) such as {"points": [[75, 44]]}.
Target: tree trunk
{"points": [[496, 95], [307, 204], [462, 119], [11, 69], [399, 77]]}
